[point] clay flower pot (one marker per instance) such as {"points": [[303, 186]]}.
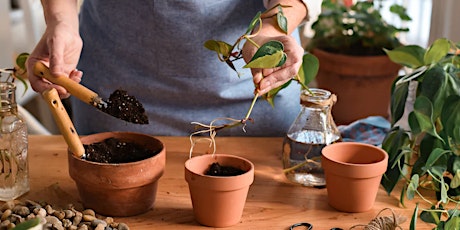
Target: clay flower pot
{"points": [[218, 201], [123, 189], [353, 172]]}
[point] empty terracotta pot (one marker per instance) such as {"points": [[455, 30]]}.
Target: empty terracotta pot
{"points": [[123, 189], [218, 201], [353, 172]]}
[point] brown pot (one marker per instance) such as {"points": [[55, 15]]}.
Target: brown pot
{"points": [[218, 201], [124, 189], [362, 84], [353, 172]]}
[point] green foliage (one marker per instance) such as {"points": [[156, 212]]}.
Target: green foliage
{"points": [[268, 55], [18, 72], [432, 143], [358, 29]]}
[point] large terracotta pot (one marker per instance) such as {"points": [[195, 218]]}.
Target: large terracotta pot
{"points": [[353, 172], [124, 189], [218, 201], [362, 84]]}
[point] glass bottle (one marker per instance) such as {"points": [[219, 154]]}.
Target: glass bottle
{"points": [[313, 129], [14, 169]]}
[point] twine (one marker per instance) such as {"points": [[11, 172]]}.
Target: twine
{"points": [[328, 102], [383, 222]]}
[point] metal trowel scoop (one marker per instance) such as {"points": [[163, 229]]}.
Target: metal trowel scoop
{"points": [[119, 105]]}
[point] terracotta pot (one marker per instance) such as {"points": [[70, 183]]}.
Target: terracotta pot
{"points": [[124, 189], [362, 84], [353, 172], [218, 201]]}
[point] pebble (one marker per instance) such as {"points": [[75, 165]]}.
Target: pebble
{"points": [[15, 212]]}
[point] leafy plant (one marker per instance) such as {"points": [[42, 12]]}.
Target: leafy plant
{"points": [[428, 155], [268, 55], [356, 29], [17, 72]]}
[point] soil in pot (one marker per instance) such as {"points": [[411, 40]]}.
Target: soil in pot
{"points": [[113, 150], [126, 107], [215, 169]]}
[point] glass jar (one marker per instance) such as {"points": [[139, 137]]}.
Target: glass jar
{"points": [[313, 129], [14, 169]]}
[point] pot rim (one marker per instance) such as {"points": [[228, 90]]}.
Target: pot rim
{"points": [[363, 170], [105, 135]]}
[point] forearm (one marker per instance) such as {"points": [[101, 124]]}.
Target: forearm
{"points": [[295, 12], [57, 11]]}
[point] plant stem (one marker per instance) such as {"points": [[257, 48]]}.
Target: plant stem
{"points": [[252, 106]]}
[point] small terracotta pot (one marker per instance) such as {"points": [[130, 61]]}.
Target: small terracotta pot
{"points": [[353, 172], [218, 201], [124, 189]]}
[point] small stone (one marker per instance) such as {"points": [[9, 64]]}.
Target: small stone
{"points": [[77, 219], [88, 217], [82, 227], [69, 213], [7, 205], [59, 214], [21, 210], [66, 223], [97, 222], [123, 226], [49, 209], [6, 214], [108, 220], [89, 212]]}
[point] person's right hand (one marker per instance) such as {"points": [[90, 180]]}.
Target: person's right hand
{"points": [[59, 48]]}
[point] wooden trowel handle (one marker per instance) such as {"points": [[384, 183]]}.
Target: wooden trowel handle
{"points": [[64, 123], [74, 88]]}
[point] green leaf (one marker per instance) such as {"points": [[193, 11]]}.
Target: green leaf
{"points": [[309, 69], [453, 223], [282, 20], [450, 118], [269, 55], [413, 221], [398, 100], [21, 60], [423, 110], [253, 23], [410, 56], [413, 124], [400, 11], [220, 47], [438, 158], [412, 187], [271, 95], [32, 224], [431, 215], [434, 87], [437, 51], [393, 144], [456, 180], [443, 186]]}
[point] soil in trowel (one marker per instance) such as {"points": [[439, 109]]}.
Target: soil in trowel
{"points": [[126, 107]]}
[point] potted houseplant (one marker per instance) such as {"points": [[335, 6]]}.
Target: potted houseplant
{"points": [[348, 41], [214, 188], [427, 156]]}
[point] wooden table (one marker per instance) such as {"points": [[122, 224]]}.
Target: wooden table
{"points": [[273, 202]]}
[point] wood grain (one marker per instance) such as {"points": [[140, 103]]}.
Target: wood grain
{"points": [[273, 202]]}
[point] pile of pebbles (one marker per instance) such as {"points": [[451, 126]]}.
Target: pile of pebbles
{"points": [[15, 212]]}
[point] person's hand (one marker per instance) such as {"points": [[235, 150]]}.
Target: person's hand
{"points": [[59, 48], [268, 79]]}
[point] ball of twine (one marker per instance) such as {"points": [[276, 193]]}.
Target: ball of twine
{"points": [[383, 222]]}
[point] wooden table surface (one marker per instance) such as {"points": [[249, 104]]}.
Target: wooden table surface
{"points": [[273, 202]]}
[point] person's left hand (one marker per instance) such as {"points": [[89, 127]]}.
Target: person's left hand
{"points": [[268, 79]]}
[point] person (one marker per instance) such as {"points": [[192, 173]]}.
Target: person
{"points": [[154, 50]]}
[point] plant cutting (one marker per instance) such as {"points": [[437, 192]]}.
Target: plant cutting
{"points": [[349, 40], [427, 156], [218, 200], [268, 55]]}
